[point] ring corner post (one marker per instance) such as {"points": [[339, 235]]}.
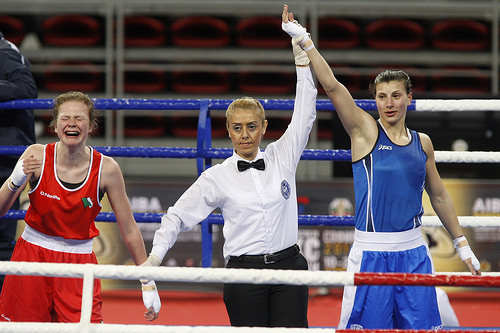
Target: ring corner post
{"points": [[206, 244], [204, 137]]}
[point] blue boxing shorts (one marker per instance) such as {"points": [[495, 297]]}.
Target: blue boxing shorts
{"points": [[390, 307]]}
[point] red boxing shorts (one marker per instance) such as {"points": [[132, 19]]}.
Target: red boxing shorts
{"points": [[46, 299]]}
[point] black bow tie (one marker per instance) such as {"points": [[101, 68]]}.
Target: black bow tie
{"points": [[259, 165]]}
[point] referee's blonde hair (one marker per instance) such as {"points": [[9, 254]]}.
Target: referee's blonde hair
{"points": [[246, 103]]}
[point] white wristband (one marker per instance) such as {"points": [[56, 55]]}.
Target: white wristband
{"points": [[18, 177], [458, 240], [13, 189]]}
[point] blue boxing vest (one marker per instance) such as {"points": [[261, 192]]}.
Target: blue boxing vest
{"points": [[388, 185]]}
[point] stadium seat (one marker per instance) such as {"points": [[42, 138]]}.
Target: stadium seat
{"points": [[145, 81], [256, 83], [394, 34], [146, 127], [201, 82], [187, 127], [73, 75], [349, 77], [144, 31], [12, 29], [461, 80], [276, 127], [461, 35], [200, 31], [72, 30], [261, 32], [338, 33]]}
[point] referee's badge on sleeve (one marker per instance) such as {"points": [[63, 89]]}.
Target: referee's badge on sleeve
{"points": [[285, 189]]}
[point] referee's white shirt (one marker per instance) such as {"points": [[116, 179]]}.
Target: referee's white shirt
{"points": [[259, 207]]}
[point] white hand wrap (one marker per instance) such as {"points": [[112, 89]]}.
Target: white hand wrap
{"points": [[18, 177], [301, 58], [465, 252], [150, 296], [296, 30]]}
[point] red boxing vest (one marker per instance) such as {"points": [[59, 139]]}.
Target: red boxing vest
{"points": [[58, 211]]}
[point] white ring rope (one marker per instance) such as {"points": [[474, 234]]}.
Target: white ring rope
{"points": [[191, 274], [467, 156], [465, 221], [120, 328], [457, 105], [180, 274]]}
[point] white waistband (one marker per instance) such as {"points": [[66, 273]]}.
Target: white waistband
{"points": [[388, 241], [55, 243]]}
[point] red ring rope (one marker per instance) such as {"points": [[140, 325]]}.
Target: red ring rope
{"points": [[425, 279]]}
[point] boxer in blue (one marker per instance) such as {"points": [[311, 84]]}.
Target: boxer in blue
{"points": [[392, 166]]}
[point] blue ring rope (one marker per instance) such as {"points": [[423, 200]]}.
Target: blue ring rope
{"points": [[304, 220], [183, 104], [180, 152]]}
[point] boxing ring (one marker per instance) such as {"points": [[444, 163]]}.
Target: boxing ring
{"points": [[203, 153]]}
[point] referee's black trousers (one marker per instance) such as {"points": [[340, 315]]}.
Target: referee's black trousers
{"points": [[267, 305]]}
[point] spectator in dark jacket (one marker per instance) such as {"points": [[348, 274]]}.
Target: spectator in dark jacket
{"points": [[16, 126]]}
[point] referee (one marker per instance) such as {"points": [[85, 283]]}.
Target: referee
{"points": [[256, 193]]}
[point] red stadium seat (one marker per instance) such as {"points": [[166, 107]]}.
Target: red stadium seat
{"points": [[12, 29], [463, 35], [255, 83], [73, 75], [349, 77], [201, 82], [145, 81], [187, 127], [461, 80], [144, 31], [72, 30], [395, 34], [200, 31], [276, 127], [148, 127], [325, 129], [338, 33], [261, 32]]}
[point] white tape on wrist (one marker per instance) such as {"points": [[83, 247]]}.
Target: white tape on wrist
{"points": [[301, 58], [12, 187], [150, 296], [18, 177], [458, 240], [309, 45]]}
